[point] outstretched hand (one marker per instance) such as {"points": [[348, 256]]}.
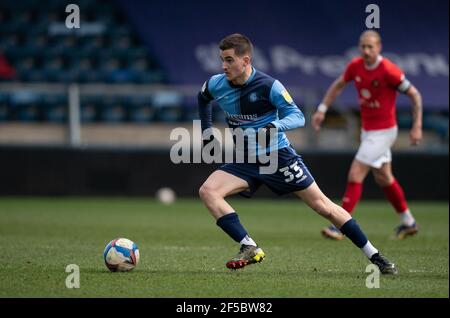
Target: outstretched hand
{"points": [[317, 120], [415, 136]]}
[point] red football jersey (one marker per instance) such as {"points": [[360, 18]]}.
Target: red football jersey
{"points": [[377, 91]]}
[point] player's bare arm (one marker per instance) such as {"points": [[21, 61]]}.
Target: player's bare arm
{"points": [[415, 135], [332, 93]]}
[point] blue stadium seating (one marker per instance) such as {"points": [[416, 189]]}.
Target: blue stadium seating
{"points": [[19, 43], [32, 40]]}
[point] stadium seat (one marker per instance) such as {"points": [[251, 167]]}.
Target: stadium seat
{"points": [[25, 105], [3, 107], [168, 106], [90, 108], [22, 45], [140, 109], [112, 110], [54, 108]]}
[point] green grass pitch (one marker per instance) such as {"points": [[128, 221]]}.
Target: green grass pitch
{"points": [[183, 252]]}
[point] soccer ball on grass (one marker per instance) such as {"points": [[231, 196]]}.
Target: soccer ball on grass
{"points": [[121, 255]]}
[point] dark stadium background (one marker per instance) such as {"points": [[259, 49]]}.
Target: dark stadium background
{"points": [[133, 70]]}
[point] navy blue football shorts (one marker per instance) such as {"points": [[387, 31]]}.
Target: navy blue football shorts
{"points": [[291, 174]]}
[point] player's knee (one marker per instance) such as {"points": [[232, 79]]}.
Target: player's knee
{"points": [[206, 192], [355, 176], [357, 173], [383, 180], [203, 192]]}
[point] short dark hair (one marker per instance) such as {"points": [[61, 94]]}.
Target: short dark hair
{"points": [[240, 43], [372, 33]]}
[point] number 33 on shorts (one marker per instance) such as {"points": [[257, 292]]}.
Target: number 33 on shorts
{"points": [[292, 172]]}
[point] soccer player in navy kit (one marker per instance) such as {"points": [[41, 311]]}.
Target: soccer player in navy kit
{"points": [[254, 100]]}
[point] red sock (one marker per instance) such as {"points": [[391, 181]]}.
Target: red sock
{"points": [[395, 195], [351, 196]]}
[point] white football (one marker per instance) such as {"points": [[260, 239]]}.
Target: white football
{"points": [[121, 255], [166, 195]]}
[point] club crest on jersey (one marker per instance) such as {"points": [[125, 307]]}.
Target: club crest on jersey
{"points": [[253, 97], [286, 96], [375, 83], [366, 93]]}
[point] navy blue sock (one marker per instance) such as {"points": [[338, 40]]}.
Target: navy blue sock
{"points": [[231, 225], [352, 230]]}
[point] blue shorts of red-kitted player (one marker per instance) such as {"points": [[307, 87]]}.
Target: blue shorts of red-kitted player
{"points": [[291, 175]]}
